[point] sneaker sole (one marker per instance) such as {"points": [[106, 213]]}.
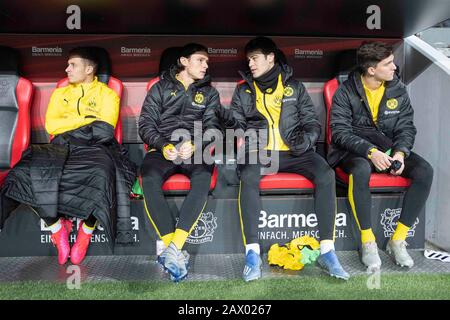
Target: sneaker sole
{"points": [[391, 254], [403, 265], [176, 280], [324, 268], [253, 278]]}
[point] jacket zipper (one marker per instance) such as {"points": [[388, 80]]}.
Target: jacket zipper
{"points": [[366, 104], [273, 122], [78, 102], [281, 129], [186, 93]]}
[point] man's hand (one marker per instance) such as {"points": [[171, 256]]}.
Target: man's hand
{"points": [[381, 160], [400, 157], [186, 150], [170, 152], [225, 115]]}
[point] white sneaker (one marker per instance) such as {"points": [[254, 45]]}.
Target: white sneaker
{"points": [[173, 261], [397, 249], [437, 255], [370, 257]]}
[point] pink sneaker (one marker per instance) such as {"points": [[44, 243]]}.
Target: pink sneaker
{"points": [[60, 240], [80, 247], [68, 224]]}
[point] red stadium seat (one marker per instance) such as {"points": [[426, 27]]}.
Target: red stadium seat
{"points": [[179, 183], [382, 182], [104, 75], [15, 101], [284, 182]]}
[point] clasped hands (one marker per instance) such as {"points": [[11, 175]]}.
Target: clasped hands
{"points": [[383, 162], [185, 151]]}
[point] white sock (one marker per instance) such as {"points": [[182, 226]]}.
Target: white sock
{"points": [[54, 228], [326, 245], [252, 246], [160, 247], [87, 230]]}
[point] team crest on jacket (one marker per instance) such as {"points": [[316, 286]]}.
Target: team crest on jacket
{"points": [[199, 97], [288, 91], [392, 103]]}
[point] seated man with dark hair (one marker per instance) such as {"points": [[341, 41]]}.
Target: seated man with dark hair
{"points": [[277, 107], [84, 173], [180, 99], [372, 129]]}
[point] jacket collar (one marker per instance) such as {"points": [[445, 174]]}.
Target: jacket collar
{"points": [[171, 76], [86, 85], [287, 71], [394, 88]]}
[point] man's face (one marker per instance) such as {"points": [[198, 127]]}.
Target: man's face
{"points": [[78, 71], [384, 70], [260, 63], [196, 65]]}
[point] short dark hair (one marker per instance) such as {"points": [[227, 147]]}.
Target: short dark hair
{"points": [[369, 54], [191, 48], [87, 54], [168, 58], [188, 50], [266, 46]]}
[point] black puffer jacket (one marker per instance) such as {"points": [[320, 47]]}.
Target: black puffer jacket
{"points": [[350, 114], [82, 172], [168, 107], [299, 125]]}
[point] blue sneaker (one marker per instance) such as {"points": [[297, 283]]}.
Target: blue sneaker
{"points": [[174, 263], [330, 263], [252, 269], [186, 255]]}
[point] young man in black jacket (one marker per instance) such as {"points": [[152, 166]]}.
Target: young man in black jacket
{"points": [[182, 97], [372, 129], [278, 108]]}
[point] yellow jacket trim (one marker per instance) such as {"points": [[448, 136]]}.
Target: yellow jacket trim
{"points": [[269, 105], [374, 99]]}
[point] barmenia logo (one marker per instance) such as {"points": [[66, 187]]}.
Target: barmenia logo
{"points": [[46, 51], [308, 53], [294, 220], [222, 52], [135, 52]]}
